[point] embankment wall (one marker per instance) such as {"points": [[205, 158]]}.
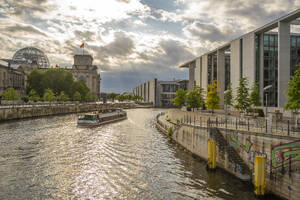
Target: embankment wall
{"points": [[46, 110], [282, 153]]}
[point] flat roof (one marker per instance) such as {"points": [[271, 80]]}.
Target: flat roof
{"points": [[267, 27]]}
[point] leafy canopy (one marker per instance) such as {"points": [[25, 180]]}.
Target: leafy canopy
{"points": [[228, 96], [77, 96], [49, 95], [33, 96], [242, 97], [293, 93], [194, 98], [11, 94], [212, 97], [57, 80], [63, 97], [180, 97], [255, 99]]}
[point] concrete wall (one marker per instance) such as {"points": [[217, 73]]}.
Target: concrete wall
{"points": [[249, 58], [152, 90], [204, 72], [235, 64], [198, 72], [28, 112], [282, 153]]}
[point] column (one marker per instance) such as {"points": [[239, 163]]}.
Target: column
{"points": [[221, 75], [261, 66], [191, 76], [284, 51]]}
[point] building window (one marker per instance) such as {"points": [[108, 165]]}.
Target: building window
{"points": [[241, 58]]}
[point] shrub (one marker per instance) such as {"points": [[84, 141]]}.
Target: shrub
{"points": [[259, 111], [170, 131], [25, 99]]}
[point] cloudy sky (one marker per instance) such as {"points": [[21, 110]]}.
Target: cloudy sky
{"points": [[131, 40]]}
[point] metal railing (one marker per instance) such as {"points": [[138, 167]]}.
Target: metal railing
{"points": [[278, 128]]}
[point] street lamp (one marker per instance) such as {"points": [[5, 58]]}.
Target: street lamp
{"points": [[226, 91], [266, 88]]}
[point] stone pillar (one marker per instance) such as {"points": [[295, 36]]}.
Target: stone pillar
{"points": [[261, 66], [204, 66], [221, 75], [191, 76], [284, 51]]}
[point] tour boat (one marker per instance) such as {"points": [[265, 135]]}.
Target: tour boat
{"points": [[102, 117]]}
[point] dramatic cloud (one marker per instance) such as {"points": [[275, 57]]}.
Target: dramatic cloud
{"points": [[23, 29], [131, 40]]}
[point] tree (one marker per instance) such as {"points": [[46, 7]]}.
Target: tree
{"points": [[25, 99], [212, 97], [293, 94], [76, 96], [228, 96], [89, 97], [80, 86], [180, 96], [63, 97], [194, 98], [11, 95], [35, 82], [112, 96], [58, 80], [242, 97], [255, 96], [49, 95], [33, 96]]}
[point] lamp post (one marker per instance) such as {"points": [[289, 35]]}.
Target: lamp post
{"points": [[265, 89], [225, 107]]}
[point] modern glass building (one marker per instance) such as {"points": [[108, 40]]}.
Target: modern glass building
{"points": [[268, 56]]}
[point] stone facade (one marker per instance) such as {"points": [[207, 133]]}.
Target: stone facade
{"points": [[11, 78], [84, 70]]}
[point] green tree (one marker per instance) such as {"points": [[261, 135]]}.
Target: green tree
{"points": [[76, 96], [49, 95], [212, 97], [63, 97], [33, 96], [194, 98], [11, 95], [255, 96], [180, 96], [58, 80], [35, 82], [242, 97], [80, 86], [228, 96], [293, 94], [25, 99], [89, 97], [112, 96]]}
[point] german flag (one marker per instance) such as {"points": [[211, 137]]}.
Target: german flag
{"points": [[82, 46]]}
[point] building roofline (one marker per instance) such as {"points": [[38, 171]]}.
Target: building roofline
{"points": [[265, 28]]}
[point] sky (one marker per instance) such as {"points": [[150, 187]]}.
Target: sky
{"points": [[132, 41]]}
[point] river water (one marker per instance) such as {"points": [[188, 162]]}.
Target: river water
{"points": [[52, 158]]}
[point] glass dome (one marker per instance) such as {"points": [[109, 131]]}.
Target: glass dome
{"points": [[32, 55]]}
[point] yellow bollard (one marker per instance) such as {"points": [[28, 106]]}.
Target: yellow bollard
{"points": [[211, 154], [259, 175]]}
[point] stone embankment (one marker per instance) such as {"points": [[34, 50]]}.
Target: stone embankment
{"points": [[20, 112], [236, 149]]}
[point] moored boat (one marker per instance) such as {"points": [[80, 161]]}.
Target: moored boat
{"points": [[102, 117]]}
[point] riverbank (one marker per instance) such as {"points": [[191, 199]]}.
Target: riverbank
{"points": [[236, 149], [11, 113]]}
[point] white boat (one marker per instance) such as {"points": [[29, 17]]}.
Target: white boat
{"points": [[102, 117]]}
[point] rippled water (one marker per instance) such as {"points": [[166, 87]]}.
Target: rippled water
{"points": [[52, 158]]}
